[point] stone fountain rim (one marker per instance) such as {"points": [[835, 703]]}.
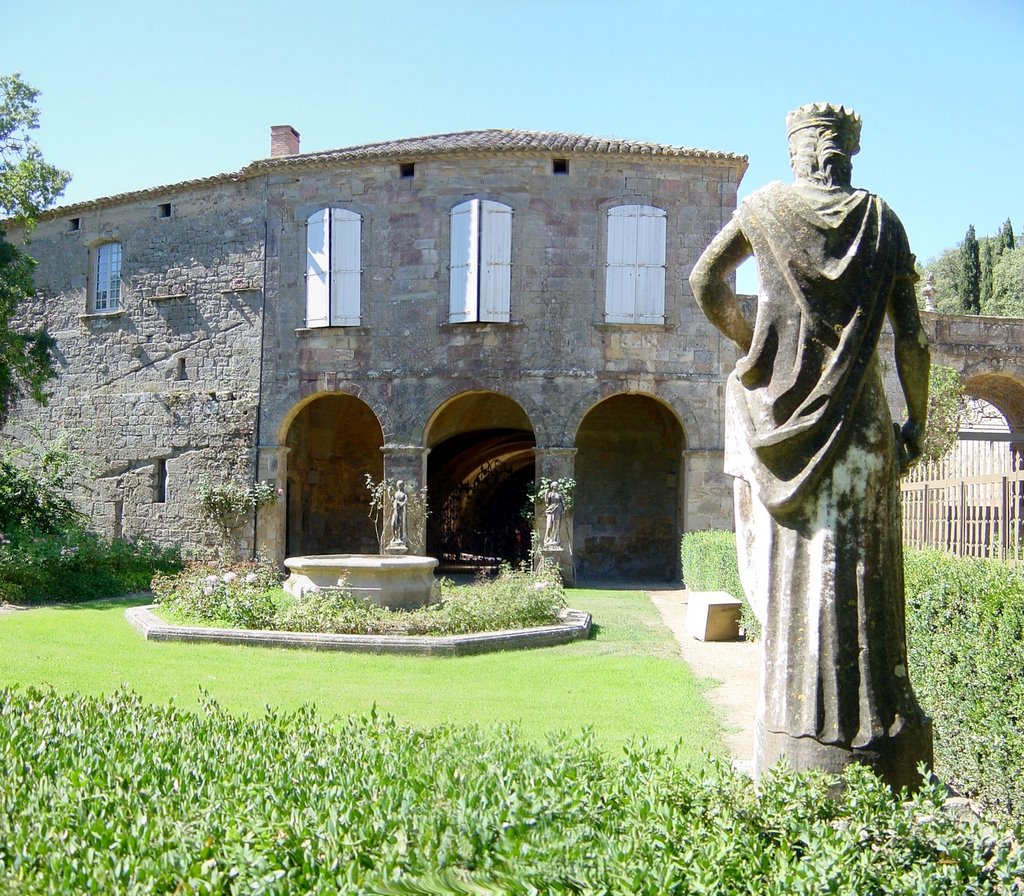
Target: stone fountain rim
{"points": [[574, 625], [355, 561]]}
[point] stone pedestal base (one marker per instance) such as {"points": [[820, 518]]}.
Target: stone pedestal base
{"points": [[894, 759], [712, 616], [561, 559]]}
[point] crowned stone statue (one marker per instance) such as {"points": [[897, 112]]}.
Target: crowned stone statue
{"points": [[816, 457]]}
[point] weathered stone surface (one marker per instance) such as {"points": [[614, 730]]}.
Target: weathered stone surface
{"points": [[817, 460], [574, 625], [220, 285]]}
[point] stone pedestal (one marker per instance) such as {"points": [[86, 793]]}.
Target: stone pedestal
{"points": [[712, 616], [893, 758], [556, 463]]}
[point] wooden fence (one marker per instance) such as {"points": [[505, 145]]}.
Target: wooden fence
{"points": [[971, 503]]}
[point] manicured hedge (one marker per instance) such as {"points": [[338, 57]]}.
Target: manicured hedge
{"points": [[965, 640], [113, 796], [709, 564], [965, 633]]}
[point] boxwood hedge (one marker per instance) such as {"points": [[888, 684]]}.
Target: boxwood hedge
{"points": [[108, 795], [965, 639]]}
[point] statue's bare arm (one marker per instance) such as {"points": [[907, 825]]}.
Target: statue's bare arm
{"points": [[708, 280], [913, 363]]}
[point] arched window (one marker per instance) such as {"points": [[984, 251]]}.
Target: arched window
{"points": [[106, 293], [635, 275], [481, 261], [333, 272]]}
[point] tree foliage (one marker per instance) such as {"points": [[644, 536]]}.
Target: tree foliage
{"points": [[27, 186], [970, 273], [945, 411], [26, 359], [999, 273]]}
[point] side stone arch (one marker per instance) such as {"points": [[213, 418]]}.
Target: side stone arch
{"points": [[703, 431], [328, 384], [328, 442], [629, 504]]}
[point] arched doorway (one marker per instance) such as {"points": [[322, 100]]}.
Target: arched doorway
{"points": [[1002, 391], [628, 504], [479, 470], [333, 442]]}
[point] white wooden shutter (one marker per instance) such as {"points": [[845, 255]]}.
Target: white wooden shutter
{"points": [[495, 261], [345, 267], [465, 254], [650, 265], [318, 265], [620, 275]]}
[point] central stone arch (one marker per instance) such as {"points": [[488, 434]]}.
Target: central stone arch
{"points": [[480, 468]]}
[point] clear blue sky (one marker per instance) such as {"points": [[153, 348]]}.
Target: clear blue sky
{"points": [[136, 95]]}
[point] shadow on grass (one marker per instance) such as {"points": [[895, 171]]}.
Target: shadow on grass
{"points": [[137, 599]]}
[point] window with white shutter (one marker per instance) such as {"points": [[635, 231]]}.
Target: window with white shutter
{"points": [[481, 262], [333, 268], [635, 273]]}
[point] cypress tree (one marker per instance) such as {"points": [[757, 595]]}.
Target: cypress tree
{"points": [[986, 259], [970, 274], [1004, 239]]}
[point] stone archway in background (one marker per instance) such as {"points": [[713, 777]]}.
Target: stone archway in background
{"points": [[480, 467], [995, 394], [333, 442], [1003, 391], [628, 517]]}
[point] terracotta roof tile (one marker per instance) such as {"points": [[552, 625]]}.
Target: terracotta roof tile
{"points": [[463, 142]]}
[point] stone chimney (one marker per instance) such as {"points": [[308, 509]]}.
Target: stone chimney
{"points": [[284, 140]]}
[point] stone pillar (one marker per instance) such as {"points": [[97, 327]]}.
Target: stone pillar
{"points": [[408, 463], [706, 491], [271, 525], [556, 463]]}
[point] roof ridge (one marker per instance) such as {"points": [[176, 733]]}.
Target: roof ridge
{"points": [[483, 140]]}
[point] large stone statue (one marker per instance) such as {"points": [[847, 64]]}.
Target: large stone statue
{"points": [[816, 457]]}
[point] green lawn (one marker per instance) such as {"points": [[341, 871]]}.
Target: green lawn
{"points": [[626, 681]]}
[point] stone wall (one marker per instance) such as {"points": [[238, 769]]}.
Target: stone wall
{"points": [[209, 364], [164, 391]]}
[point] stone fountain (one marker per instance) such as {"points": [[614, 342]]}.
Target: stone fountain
{"points": [[396, 579]]}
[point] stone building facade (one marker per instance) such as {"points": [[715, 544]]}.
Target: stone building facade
{"points": [[467, 312]]}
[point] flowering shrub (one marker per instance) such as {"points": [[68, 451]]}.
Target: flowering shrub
{"points": [[247, 595], [226, 503], [239, 594]]}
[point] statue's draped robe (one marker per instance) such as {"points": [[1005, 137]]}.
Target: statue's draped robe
{"points": [[809, 436]]}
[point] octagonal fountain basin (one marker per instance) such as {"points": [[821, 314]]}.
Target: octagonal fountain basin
{"points": [[399, 582]]}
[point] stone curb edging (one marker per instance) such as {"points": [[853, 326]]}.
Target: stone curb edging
{"points": [[575, 626]]}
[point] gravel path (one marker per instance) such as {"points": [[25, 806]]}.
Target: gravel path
{"points": [[733, 665]]}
